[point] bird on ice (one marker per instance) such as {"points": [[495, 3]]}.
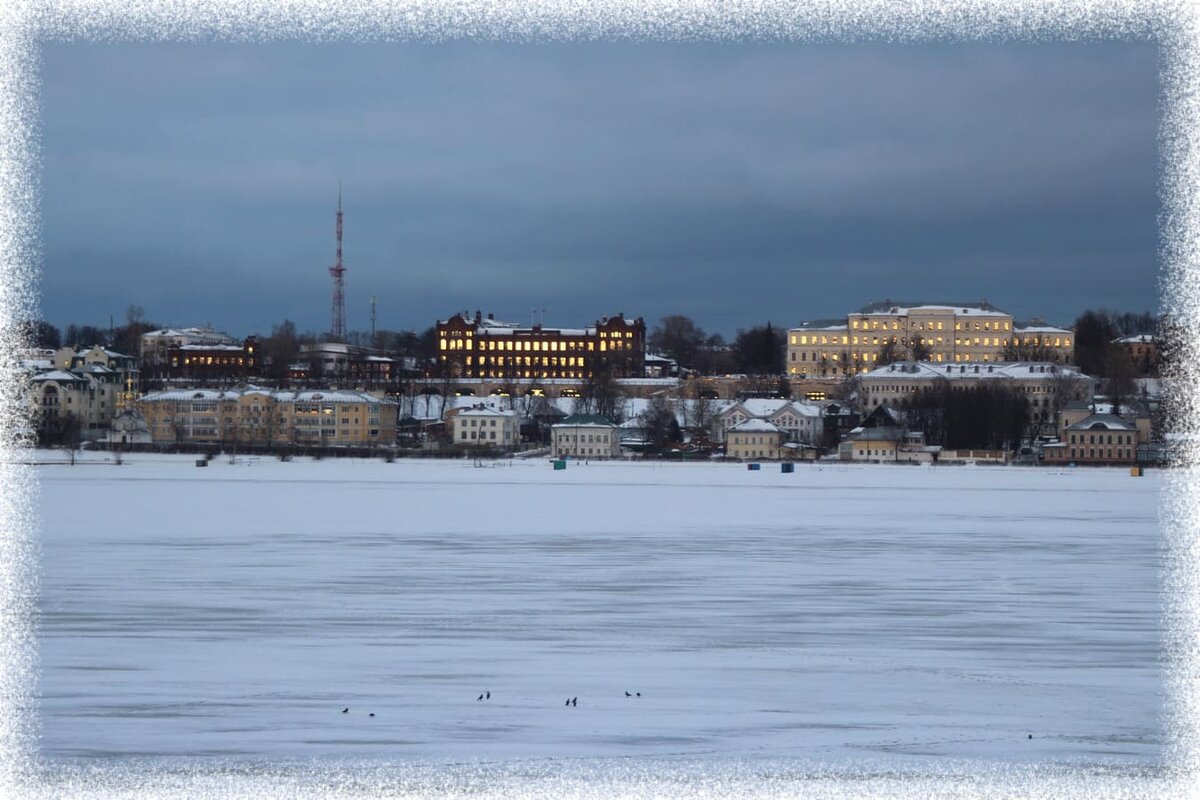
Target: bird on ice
{"points": [[489, 694], [345, 710], [574, 701], [479, 698]]}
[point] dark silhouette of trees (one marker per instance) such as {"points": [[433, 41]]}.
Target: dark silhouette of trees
{"points": [[760, 350], [982, 417], [279, 351], [660, 424], [40, 334], [601, 394], [678, 338]]}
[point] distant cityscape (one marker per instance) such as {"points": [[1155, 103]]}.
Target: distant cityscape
{"points": [[936, 383]]}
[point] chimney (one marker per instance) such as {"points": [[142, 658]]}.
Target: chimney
{"points": [[478, 317], [491, 316]]}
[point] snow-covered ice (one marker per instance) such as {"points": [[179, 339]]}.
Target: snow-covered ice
{"points": [[840, 614]]}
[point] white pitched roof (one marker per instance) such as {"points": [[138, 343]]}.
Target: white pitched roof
{"points": [[754, 426]]}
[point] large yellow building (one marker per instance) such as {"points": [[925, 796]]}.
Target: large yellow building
{"points": [[935, 333], [260, 417]]}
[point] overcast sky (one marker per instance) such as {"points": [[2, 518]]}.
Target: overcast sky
{"points": [[734, 183]]}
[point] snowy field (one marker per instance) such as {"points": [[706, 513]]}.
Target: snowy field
{"points": [[902, 616]]}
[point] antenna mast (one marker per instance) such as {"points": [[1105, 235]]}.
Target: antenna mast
{"points": [[338, 331]]}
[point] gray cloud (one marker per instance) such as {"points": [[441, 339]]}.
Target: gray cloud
{"points": [[734, 183]]}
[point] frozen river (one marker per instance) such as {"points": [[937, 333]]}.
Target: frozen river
{"points": [[842, 614]]}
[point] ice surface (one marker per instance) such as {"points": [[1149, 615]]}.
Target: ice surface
{"points": [[839, 614]]}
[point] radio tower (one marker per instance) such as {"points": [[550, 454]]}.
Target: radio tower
{"points": [[338, 331]]}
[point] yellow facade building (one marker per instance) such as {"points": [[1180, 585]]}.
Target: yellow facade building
{"points": [[932, 333], [260, 417]]}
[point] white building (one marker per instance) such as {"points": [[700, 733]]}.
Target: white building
{"points": [[485, 427], [585, 436], [800, 421]]}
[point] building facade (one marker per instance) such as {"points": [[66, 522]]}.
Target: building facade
{"points": [[755, 438], [1048, 387], [485, 427], [801, 422], [213, 363], [475, 347], [255, 416], [585, 436], [934, 333], [1096, 439]]}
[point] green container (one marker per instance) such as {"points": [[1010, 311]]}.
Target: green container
{"points": [[560, 464]]}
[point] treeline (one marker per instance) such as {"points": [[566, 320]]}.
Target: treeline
{"points": [[983, 417], [755, 351]]}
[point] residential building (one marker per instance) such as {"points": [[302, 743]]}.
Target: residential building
{"points": [[585, 436], [1078, 410], [256, 416], [1096, 439], [937, 333], [755, 439], [482, 426], [801, 422], [486, 348]]}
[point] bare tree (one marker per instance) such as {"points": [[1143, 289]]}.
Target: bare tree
{"points": [[600, 393]]}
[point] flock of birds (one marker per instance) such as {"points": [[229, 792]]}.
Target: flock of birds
{"points": [[487, 695]]}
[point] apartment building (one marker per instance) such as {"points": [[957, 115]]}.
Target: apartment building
{"points": [[258, 416]]}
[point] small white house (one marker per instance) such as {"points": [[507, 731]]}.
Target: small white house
{"points": [[485, 427], [585, 436]]}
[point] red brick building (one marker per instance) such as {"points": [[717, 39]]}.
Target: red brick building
{"points": [[475, 347]]}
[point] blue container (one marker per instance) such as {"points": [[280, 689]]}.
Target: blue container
{"points": [[754, 466], [787, 466]]}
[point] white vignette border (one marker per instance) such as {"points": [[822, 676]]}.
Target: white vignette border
{"points": [[1173, 26]]}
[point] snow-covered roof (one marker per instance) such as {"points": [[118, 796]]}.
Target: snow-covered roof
{"points": [[1141, 338], [60, 376], [286, 396], [825, 329], [1103, 422], [1044, 329], [958, 311], [884, 433], [585, 421], [210, 347], [754, 425], [485, 411], [903, 370]]}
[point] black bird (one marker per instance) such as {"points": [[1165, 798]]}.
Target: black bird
{"points": [[372, 713], [627, 694], [639, 694], [1031, 736], [489, 694], [345, 710], [574, 701], [479, 698], [568, 702]]}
